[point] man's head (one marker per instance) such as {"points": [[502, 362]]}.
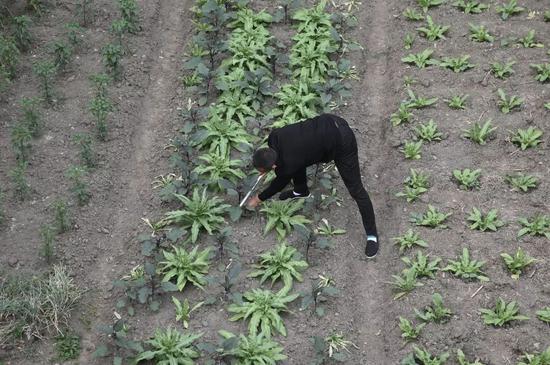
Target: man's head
{"points": [[264, 159]]}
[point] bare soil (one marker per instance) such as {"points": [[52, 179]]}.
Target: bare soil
{"points": [[104, 246]]}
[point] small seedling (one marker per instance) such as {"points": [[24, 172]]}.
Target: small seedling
{"points": [[526, 138], [436, 312], [547, 106], [38, 7], [62, 219], [77, 174], [118, 28], [100, 107], [67, 346], [528, 41], [466, 268], [263, 309], [423, 357], [418, 102], [330, 198], [409, 81], [325, 287], [408, 41], [461, 358], [281, 216], [47, 233], [543, 71], [431, 218], [509, 9], [21, 138], [544, 314], [409, 332], [199, 212], [250, 349], [21, 33], [183, 310], [502, 314], [405, 283], [467, 179], [411, 194], [2, 213], [185, 266], [516, 263], [426, 4], [502, 70], [412, 150], [326, 229], [284, 263], [522, 182], [230, 277], [169, 346], [458, 101], [403, 115], [87, 155], [470, 6], [84, 11], [422, 265], [417, 179], [479, 133], [457, 64], [9, 57], [482, 222], [547, 16], [101, 82], [542, 358], [478, 33], [538, 226], [336, 343], [61, 53], [428, 132], [45, 70], [412, 14], [415, 185], [409, 240], [74, 32], [21, 187], [217, 168], [129, 10], [433, 31], [31, 116], [112, 56]]}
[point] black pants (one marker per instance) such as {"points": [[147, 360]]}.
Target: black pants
{"points": [[347, 162]]}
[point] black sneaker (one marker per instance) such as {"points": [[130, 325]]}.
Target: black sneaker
{"points": [[290, 194], [371, 249]]}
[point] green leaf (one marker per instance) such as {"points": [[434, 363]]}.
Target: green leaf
{"points": [[101, 351]]}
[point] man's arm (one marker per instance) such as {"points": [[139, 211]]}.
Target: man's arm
{"points": [[276, 185]]}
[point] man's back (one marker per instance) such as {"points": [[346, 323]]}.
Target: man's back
{"points": [[305, 143]]}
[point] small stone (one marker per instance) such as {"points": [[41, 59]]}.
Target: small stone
{"points": [[12, 261]]}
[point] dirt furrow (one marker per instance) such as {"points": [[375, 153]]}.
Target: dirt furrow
{"points": [[372, 294], [153, 121]]}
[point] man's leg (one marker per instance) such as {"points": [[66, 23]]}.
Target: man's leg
{"points": [[347, 162], [348, 167], [299, 180]]}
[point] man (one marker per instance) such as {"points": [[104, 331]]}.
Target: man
{"points": [[321, 139]]}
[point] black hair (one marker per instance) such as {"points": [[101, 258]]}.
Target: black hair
{"points": [[264, 158]]}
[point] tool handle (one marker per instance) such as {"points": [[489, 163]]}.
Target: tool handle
{"points": [[251, 190]]}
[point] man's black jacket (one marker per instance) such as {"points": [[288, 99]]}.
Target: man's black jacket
{"points": [[299, 146]]}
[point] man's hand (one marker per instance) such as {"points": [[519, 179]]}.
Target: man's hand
{"points": [[253, 202]]}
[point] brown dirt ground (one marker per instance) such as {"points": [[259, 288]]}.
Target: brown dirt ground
{"points": [[104, 245]]}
